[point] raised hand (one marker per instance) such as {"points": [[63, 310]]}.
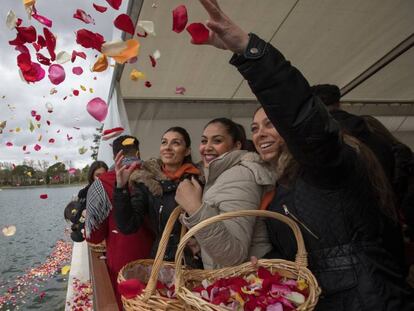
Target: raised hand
{"points": [[224, 34], [122, 171]]}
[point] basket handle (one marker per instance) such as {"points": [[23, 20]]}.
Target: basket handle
{"points": [[159, 257], [301, 256]]}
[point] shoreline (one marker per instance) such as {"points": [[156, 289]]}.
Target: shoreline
{"points": [[42, 186]]}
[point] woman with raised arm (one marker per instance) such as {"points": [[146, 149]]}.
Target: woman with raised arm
{"points": [[235, 180], [328, 182]]}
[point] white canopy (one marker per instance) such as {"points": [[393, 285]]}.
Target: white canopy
{"points": [[365, 47]]}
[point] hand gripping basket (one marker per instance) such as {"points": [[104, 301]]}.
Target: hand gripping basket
{"points": [[185, 280], [149, 299]]}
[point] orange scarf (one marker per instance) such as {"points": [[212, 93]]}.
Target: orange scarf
{"points": [[186, 168], [267, 198]]}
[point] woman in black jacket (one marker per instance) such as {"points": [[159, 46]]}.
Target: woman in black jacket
{"points": [[152, 188], [329, 183]]}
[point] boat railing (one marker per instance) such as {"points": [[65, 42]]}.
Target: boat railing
{"points": [[103, 293]]}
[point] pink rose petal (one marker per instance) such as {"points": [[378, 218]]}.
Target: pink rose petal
{"points": [[56, 74], [42, 19], [77, 70], [97, 108], [37, 147]]}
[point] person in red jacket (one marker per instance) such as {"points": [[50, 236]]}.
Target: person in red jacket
{"points": [[100, 223]]}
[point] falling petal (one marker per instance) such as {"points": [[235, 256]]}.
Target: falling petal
{"points": [[77, 70], [124, 23], [75, 92], [101, 64], [11, 20], [38, 117], [65, 269], [83, 16], [50, 43], [49, 107], [83, 88], [9, 144], [68, 137], [18, 129], [27, 34], [100, 9], [40, 138], [52, 91], [180, 90], [9, 230], [51, 141], [111, 133], [115, 3], [36, 73], [24, 62], [199, 33], [72, 170], [43, 59], [2, 126], [42, 19], [31, 126], [180, 18], [97, 108], [48, 122], [135, 75], [90, 90], [156, 54], [153, 61], [148, 84], [77, 54], [144, 35], [82, 150], [43, 196], [132, 60], [37, 147], [148, 26], [56, 74], [89, 39], [129, 50], [63, 57]]}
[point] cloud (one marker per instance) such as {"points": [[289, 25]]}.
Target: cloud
{"points": [[21, 97]]}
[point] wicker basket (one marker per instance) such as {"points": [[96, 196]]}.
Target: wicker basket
{"points": [[149, 299], [186, 280], [98, 248]]}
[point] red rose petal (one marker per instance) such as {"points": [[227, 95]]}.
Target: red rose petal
{"points": [[142, 35], [130, 288], [114, 3], [9, 144], [37, 147], [56, 74], [99, 8], [41, 41], [89, 39], [83, 16], [36, 73], [77, 70], [51, 141], [75, 92], [153, 61], [22, 49], [50, 43], [24, 148], [48, 122], [42, 19], [124, 23], [68, 137], [180, 18], [24, 62], [27, 34], [38, 117], [148, 84], [199, 33], [43, 59], [36, 46], [43, 196], [77, 54], [19, 22], [33, 113]]}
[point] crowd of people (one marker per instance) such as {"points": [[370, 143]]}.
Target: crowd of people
{"points": [[345, 179]]}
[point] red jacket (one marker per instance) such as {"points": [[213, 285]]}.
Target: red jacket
{"points": [[120, 248]]}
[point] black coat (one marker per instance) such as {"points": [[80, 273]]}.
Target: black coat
{"points": [[331, 197], [134, 207]]}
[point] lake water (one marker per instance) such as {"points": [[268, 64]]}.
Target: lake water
{"points": [[39, 226]]}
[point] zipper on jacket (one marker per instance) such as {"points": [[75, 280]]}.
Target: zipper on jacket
{"points": [[300, 222]]}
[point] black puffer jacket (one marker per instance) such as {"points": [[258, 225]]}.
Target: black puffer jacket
{"points": [[151, 198], [331, 197]]}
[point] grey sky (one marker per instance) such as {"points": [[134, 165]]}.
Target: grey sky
{"points": [[24, 97]]}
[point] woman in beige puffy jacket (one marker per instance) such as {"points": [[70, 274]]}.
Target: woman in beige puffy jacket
{"points": [[235, 180]]}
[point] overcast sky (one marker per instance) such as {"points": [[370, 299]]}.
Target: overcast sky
{"points": [[18, 98]]}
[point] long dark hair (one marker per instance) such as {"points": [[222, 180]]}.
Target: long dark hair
{"points": [[94, 166], [183, 132], [235, 130]]}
